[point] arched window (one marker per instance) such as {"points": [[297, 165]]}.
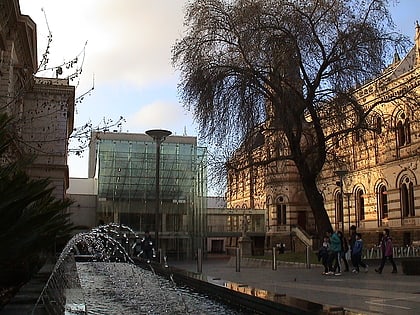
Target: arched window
{"points": [[281, 211], [383, 202], [403, 130], [400, 134], [376, 121], [407, 197], [411, 199], [360, 205], [378, 124]]}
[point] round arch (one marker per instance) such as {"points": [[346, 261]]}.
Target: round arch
{"points": [[359, 191], [406, 181]]}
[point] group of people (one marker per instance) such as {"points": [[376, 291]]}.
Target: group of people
{"points": [[336, 249]]}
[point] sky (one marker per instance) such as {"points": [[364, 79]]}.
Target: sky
{"points": [[125, 46]]}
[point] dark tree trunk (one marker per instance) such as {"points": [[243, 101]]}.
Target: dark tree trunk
{"points": [[316, 203]]}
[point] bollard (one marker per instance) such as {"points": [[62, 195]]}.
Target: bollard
{"points": [[160, 255], [199, 261], [238, 259], [308, 262], [274, 259]]}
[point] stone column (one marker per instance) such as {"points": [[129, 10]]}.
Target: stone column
{"points": [[245, 246]]}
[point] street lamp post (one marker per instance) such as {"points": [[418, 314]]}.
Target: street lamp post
{"points": [[341, 174], [158, 136], [348, 194]]}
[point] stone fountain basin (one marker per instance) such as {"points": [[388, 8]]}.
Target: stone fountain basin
{"points": [[239, 294]]}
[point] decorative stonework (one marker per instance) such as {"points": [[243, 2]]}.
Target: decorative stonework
{"points": [[42, 108], [378, 161]]}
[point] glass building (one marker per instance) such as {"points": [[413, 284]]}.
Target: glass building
{"points": [[125, 165]]}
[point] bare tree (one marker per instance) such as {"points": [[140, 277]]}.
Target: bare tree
{"points": [[23, 82], [285, 68]]}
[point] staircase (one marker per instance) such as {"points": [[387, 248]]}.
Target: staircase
{"points": [[304, 237]]}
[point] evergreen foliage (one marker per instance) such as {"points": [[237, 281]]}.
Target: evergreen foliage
{"points": [[33, 222]]}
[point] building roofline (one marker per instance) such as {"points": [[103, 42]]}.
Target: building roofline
{"points": [[123, 136]]}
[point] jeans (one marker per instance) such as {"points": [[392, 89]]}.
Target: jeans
{"points": [[391, 260], [335, 257]]}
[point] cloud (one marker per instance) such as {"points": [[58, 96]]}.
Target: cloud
{"points": [[159, 115], [128, 40]]}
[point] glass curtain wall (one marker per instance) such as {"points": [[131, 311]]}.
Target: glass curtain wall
{"points": [[127, 190]]}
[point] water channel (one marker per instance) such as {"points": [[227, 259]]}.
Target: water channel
{"points": [[122, 288], [106, 281]]}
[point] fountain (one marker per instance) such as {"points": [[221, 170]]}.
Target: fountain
{"points": [[95, 274]]}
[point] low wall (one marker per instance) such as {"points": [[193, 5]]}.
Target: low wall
{"points": [[411, 265], [266, 263], [243, 296]]}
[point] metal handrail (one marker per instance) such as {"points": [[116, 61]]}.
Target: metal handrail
{"points": [[397, 252]]}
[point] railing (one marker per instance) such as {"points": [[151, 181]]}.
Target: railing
{"points": [[228, 228], [304, 237], [398, 252]]}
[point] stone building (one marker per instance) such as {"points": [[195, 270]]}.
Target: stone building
{"points": [[374, 185], [42, 109]]}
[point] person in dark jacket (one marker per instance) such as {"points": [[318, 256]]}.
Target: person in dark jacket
{"points": [[387, 252], [356, 253], [352, 240], [344, 249], [323, 254], [147, 246]]}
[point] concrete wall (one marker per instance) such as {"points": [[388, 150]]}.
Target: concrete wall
{"points": [[83, 191]]}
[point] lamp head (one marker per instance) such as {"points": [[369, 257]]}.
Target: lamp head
{"points": [[158, 134]]}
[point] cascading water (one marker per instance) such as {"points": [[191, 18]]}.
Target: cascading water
{"points": [[127, 289], [108, 282]]}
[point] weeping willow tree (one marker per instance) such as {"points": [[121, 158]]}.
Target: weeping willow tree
{"points": [[283, 68], [32, 221]]}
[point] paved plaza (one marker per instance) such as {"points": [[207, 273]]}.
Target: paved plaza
{"points": [[363, 293]]}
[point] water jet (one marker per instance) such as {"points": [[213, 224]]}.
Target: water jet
{"points": [[95, 274]]}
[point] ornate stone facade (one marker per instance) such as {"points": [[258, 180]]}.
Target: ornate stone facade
{"points": [[380, 184], [378, 177], [42, 108]]}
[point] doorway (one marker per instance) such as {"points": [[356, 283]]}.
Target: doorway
{"points": [[301, 219]]}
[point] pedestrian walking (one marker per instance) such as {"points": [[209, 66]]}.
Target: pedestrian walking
{"points": [[352, 241], [335, 257], [344, 249], [387, 252], [356, 255], [323, 254]]}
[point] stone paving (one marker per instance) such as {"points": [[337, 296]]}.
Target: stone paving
{"points": [[363, 293], [23, 302]]}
